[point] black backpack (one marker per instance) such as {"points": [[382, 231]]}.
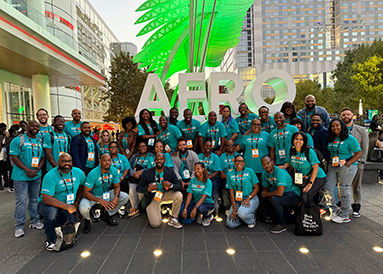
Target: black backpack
{"points": [[322, 161], [66, 236]]}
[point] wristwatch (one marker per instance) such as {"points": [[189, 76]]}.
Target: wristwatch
{"points": [[250, 196]]}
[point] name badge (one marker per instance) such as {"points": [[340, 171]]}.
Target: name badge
{"points": [[158, 196], [35, 162], [127, 151], [106, 196], [70, 199], [91, 156], [255, 153], [213, 143], [238, 196], [186, 174], [118, 171], [298, 178], [167, 148], [151, 142], [282, 153], [335, 161], [189, 143]]}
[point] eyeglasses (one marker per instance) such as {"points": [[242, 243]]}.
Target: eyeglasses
{"points": [[257, 125], [230, 145], [113, 146], [240, 161]]}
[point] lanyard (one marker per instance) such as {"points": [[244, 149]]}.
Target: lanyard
{"points": [[337, 150], [33, 147], [183, 159], [252, 140], [284, 137], [104, 149], [71, 182], [272, 177], [125, 140], [119, 162], [90, 144], [229, 165], [103, 182], [142, 160], [159, 179], [236, 185], [59, 142], [350, 130], [214, 131], [207, 162]]}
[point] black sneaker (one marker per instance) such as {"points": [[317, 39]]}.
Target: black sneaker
{"points": [[278, 229], [50, 246], [87, 226], [108, 219]]}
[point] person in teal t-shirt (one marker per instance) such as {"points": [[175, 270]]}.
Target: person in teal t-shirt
{"points": [[288, 110], [102, 186], [280, 139], [121, 163], [199, 199], [245, 119], [308, 175], [255, 146], [147, 128], [42, 116], [299, 124], [215, 131], [159, 146], [189, 128], [56, 142], [59, 198], [73, 128], [103, 143], [344, 154], [279, 190], [231, 125], [27, 154], [243, 185], [169, 134], [268, 123]]}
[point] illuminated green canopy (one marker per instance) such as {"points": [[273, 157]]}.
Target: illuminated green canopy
{"points": [[189, 34]]}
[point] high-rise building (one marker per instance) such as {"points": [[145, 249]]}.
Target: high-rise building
{"points": [[53, 54], [126, 47], [306, 38]]}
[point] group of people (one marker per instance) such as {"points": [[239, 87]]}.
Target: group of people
{"points": [[241, 166]]}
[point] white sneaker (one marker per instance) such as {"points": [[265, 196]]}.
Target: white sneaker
{"points": [[251, 225], [174, 222], [37, 225], [334, 214], [49, 246], [19, 232], [207, 221], [340, 220], [356, 214]]}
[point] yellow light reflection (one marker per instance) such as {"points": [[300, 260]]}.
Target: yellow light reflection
{"points": [[164, 220], [157, 252], [304, 250], [378, 249], [230, 251], [85, 254]]}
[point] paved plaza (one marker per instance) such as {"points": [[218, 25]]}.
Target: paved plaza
{"points": [[128, 248]]}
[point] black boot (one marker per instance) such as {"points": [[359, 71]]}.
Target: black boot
{"points": [[87, 226], [108, 219]]}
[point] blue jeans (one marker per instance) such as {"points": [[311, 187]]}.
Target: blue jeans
{"points": [[287, 201], [344, 175], [54, 217], [23, 191], [217, 187], [245, 214], [204, 208]]}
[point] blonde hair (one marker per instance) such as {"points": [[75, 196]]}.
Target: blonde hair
{"points": [[100, 141]]}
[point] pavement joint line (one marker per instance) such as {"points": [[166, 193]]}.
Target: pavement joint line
{"points": [[182, 249], [206, 250], [228, 245], [159, 245], [135, 249]]}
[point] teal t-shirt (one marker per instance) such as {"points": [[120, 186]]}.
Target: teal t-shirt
{"points": [[159, 178], [344, 149], [280, 139], [91, 149], [170, 136], [279, 177], [242, 181], [287, 120], [309, 115], [231, 129], [214, 132], [211, 162], [31, 148], [255, 141], [227, 161], [141, 130], [72, 129], [269, 126], [121, 163], [124, 142], [189, 131], [100, 183], [304, 165], [310, 140], [43, 131], [245, 123], [103, 149], [144, 161], [60, 144], [59, 186], [168, 160], [198, 188]]}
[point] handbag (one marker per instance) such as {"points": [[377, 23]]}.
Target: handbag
{"points": [[376, 155], [308, 221]]}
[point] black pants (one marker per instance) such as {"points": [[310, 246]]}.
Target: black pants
{"points": [[4, 173], [308, 197]]}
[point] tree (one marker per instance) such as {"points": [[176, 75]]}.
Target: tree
{"points": [[125, 84], [304, 88]]}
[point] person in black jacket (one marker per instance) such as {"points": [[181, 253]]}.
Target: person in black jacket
{"points": [[320, 135], [160, 185], [84, 149]]}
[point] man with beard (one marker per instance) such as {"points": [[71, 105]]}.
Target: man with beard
{"points": [[173, 116], [169, 134], [72, 128], [320, 135], [28, 157], [184, 160], [42, 116], [268, 123], [102, 187], [214, 130], [61, 192], [160, 185], [245, 119], [84, 149], [189, 128], [56, 142], [311, 108], [360, 133], [280, 140]]}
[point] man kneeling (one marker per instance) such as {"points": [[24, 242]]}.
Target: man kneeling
{"points": [[98, 190], [160, 185], [61, 191]]}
